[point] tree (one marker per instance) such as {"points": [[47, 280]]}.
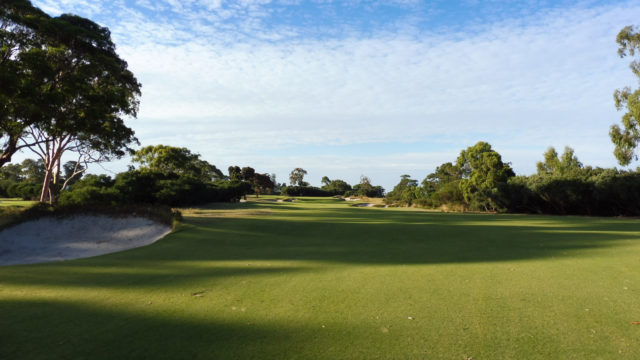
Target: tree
{"points": [[247, 173], [626, 139], [567, 164], [483, 172], [336, 187], [22, 96], [444, 174], [364, 188], [235, 173], [405, 192], [296, 177], [174, 160], [262, 184], [81, 90]]}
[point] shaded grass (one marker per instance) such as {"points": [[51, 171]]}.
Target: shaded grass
{"points": [[317, 279]]}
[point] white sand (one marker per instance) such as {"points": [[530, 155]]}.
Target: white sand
{"points": [[51, 239]]}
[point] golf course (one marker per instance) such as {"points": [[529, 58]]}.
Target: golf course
{"points": [[318, 278]]}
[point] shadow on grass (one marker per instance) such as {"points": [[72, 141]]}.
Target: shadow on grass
{"points": [[77, 331], [329, 235]]}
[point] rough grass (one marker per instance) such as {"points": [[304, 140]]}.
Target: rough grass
{"points": [[11, 208], [318, 279]]}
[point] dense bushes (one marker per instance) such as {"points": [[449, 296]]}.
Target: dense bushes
{"points": [[304, 191], [602, 192], [147, 187]]}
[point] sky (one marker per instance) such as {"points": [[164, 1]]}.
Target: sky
{"points": [[379, 88]]}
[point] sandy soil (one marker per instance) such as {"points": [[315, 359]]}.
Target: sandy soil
{"points": [[51, 239]]}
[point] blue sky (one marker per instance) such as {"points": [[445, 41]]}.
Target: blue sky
{"points": [[376, 88]]}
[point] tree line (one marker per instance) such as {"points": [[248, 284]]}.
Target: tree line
{"points": [[479, 180]]}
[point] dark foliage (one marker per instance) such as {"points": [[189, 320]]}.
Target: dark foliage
{"points": [[304, 191]]}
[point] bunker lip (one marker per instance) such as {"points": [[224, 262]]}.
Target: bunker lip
{"points": [[51, 239]]}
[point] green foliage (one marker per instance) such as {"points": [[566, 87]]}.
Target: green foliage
{"points": [[365, 188], [566, 165], [483, 174], [262, 184], [335, 187], [405, 193], [304, 191], [235, 174], [601, 192], [173, 160], [296, 177], [626, 138], [25, 190], [148, 187]]}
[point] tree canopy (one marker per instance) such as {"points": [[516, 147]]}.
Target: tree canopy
{"points": [[564, 165], [174, 160], [296, 177], [78, 88], [482, 172], [626, 138]]}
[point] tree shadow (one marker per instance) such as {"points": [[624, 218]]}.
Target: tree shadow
{"points": [[80, 331], [340, 234]]}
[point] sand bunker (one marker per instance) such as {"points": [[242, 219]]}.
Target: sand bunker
{"points": [[363, 205], [51, 239]]}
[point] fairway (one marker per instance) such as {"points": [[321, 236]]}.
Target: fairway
{"points": [[13, 202], [320, 279]]}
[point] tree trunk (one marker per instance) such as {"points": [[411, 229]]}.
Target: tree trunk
{"points": [[45, 185], [12, 146]]}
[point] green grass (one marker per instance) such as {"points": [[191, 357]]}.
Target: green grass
{"points": [[318, 279], [15, 202], [10, 208]]}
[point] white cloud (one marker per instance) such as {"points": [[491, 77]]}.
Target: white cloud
{"points": [[522, 85]]}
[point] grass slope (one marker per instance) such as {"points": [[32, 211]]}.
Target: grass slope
{"points": [[318, 279]]}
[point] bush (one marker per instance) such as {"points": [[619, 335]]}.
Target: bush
{"points": [[90, 195], [305, 191], [24, 190]]}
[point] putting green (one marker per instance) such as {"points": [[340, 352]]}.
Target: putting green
{"points": [[318, 279]]}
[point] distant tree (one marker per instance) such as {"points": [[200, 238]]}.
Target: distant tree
{"points": [[336, 187], [174, 160], [247, 173], [483, 173], [406, 192], [235, 173], [296, 177], [444, 174], [262, 184], [32, 170], [559, 166], [73, 172], [11, 172], [365, 188], [626, 139]]}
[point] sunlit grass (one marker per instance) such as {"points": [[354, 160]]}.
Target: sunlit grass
{"points": [[318, 279], [17, 202], [12, 207]]}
